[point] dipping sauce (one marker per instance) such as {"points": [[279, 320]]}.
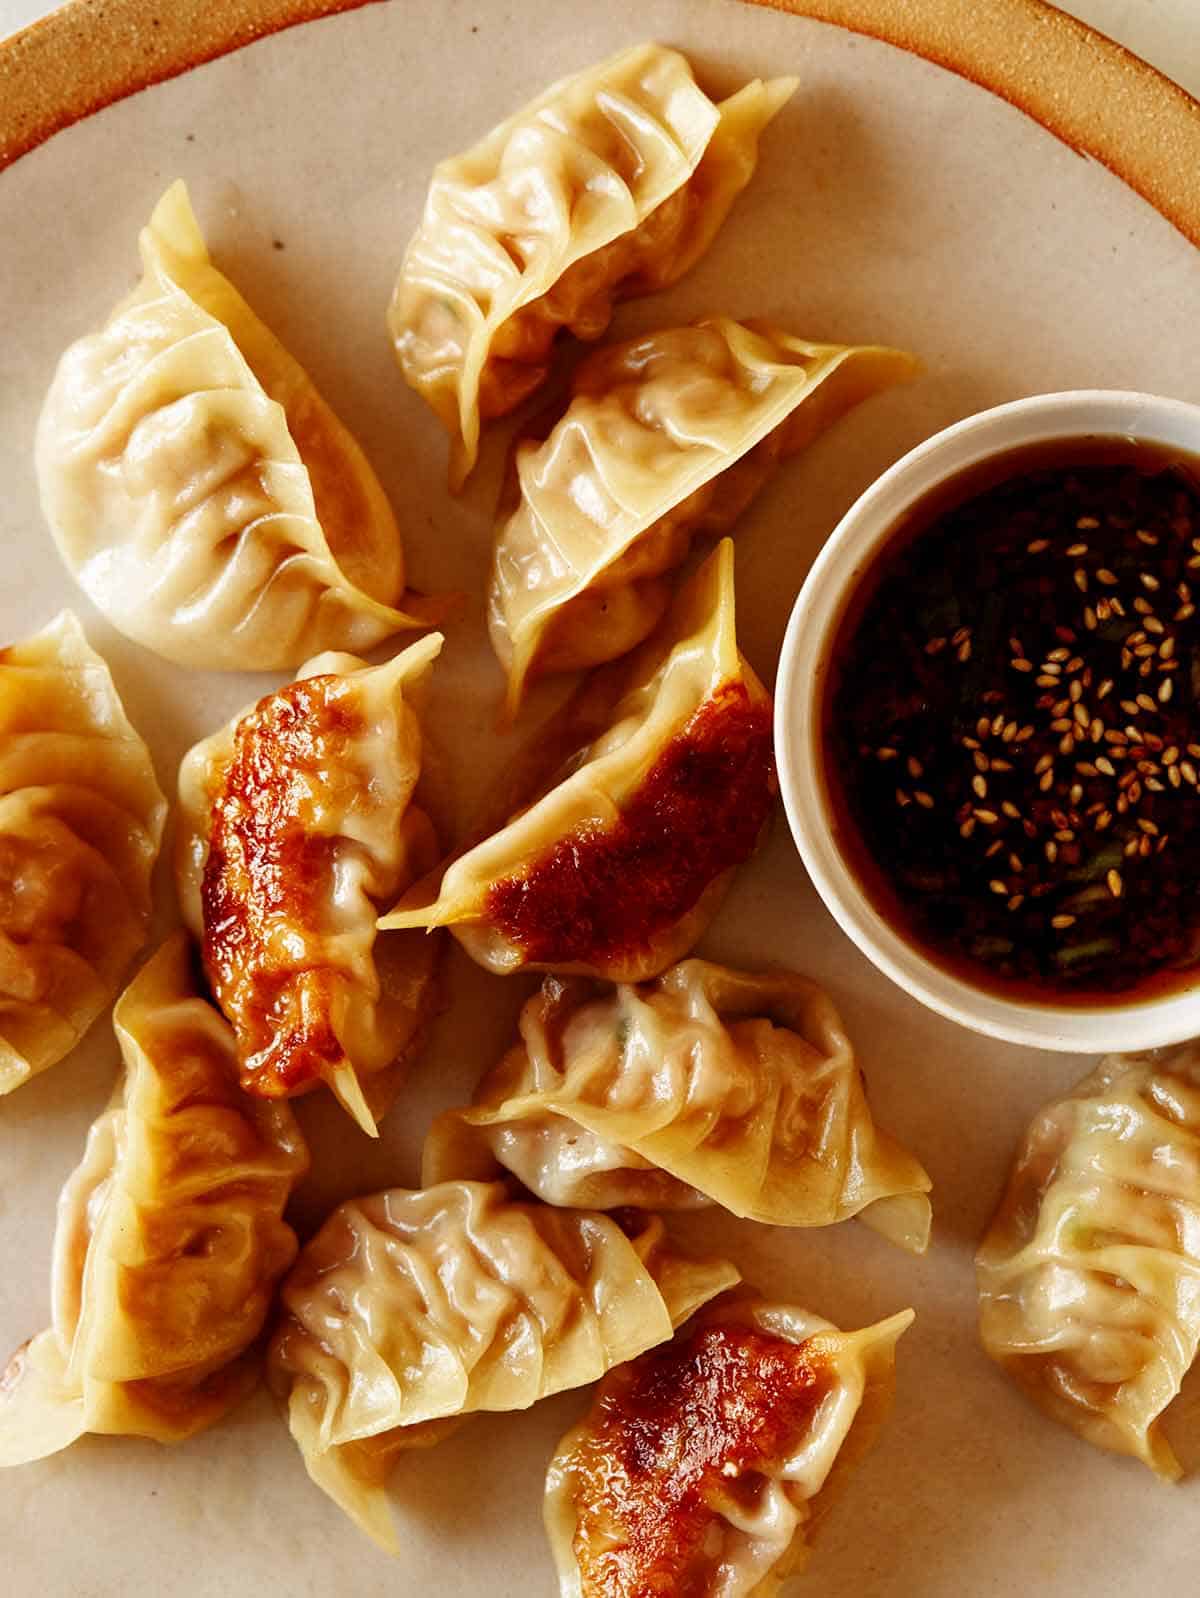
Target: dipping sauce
{"points": [[1011, 728]]}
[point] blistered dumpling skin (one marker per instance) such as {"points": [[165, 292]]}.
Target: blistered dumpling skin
{"points": [[618, 868], [664, 438], [170, 1237], [410, 1310], [81, 821], [1089, 1275], [705, 1467], [612, 183], [200, 489], [298, 827], [706, 1084]]}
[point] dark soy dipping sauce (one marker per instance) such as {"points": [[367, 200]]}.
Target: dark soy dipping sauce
{"points": [[1012, 736]]}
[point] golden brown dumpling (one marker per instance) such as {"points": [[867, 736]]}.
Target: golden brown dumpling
{"points": [[298, 828], [618, 868], [706, 1466]]}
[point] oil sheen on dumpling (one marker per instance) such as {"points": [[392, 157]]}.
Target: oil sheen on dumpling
{"points": [[200, 489], [704, 1085], [706, 1466], [612, 183], [298, 828], [1089, 1276], [170, 1237], [665, 437], [81, 820], [410, 1310], [618, 868]]}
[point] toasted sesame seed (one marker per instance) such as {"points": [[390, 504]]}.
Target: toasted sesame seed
{"points": [[1010, 809], [1075, 693], [1060, 923], [935, 646], [1057, 656], [1086, 769], [1188, 772], [1148, 826], [1019, 663], [1086, 522], [1089, 618], [1145, 702], [1010, 731], [1061, 724], [967, 828], [925, 800], [1096, 730], [1185, 612], [969, 743], [982, 763], [1153, 625], [998, 887], [1017, 900], [1105, 766], [993, 849], [1165, 690], [1173, 776], [1146, 846], [1001, 765], [964, 652], [1015, 863], [1149, 582], [961, 634], [1103, 820], [1081, 581], [979, 784], [1115, 885], [997, 725], [1045, 681], [988, 817], [1132, 847], [983, 727], [1065, 835], [1166, 649], [1076, 793], [1039, 544], [915, 768], [885, 753], [1077, 549], [1081, 717], [1051, 850], [1147, 537], [1044, 764], [1118, 609], [1106, 577], [1066, 744]]}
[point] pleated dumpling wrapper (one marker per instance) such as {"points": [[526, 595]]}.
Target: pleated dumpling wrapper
{"points": [[705, 1085], [665, 437], [410, 1310], [1089, 1275], [200, 489], [81, 821], [612, 183], [297, 827], [617, 869], [170, 1237], [706, 1466]]}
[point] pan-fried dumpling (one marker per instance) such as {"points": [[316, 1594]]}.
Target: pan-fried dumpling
{"points": [[706, 1466], [298, 828], [170, 1237], [81, 820], [704, 1085], [618, 868], [1089, 1276], [665, 437], [612, 183], [410, 1310], [200, 489]]}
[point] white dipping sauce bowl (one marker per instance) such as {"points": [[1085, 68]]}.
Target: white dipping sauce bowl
{"points": [[804, 666]]}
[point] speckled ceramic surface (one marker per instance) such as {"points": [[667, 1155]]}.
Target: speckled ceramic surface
{"points": [[894, 203]]}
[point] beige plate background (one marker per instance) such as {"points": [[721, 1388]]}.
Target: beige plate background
{"points": [[895, 202]]}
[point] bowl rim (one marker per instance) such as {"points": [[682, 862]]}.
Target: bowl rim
{"points": [[848, 552]]}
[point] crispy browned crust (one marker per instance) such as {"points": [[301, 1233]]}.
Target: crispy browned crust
{"points": [[1090, 92]]}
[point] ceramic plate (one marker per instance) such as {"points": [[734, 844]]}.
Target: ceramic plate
{"points": [[895, 202]]}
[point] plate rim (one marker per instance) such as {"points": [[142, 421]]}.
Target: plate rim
{"points": [[1087, 90]]}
